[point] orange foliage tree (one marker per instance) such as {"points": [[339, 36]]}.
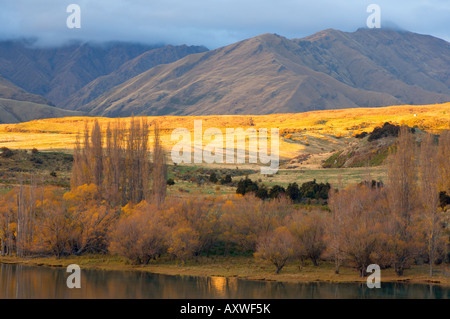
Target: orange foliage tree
{"points": [[91, 219], [140, 234]]}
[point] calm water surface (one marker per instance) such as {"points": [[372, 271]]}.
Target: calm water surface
{"points": [[18, 281]]}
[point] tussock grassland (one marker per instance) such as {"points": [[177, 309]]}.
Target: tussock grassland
{"points": [[327, 125], [317, 135]]}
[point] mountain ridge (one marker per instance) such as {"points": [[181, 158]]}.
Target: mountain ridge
{"points": [[265, 74], [57, 73], [12, 92], [13, 111], [272, 74]]}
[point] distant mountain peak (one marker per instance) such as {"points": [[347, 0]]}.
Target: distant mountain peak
{"points": [[264, 74], [272, 74], [59, 73]]}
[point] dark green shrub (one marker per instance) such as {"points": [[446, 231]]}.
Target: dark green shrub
{"points": [[213, 178], [262, 192], [6, 152], [444, 200], [314, 190], [276, 191], [386, 130], [226, 180], [293, 191], [246, 186]]}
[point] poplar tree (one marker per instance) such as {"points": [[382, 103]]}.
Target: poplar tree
{"points": [[159, 169], [402, 201], [429, 196]]}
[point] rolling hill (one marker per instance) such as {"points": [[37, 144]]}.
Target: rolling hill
{"points": [[13, 92], [13, 111], [272, 74], [332, 127], [308, 141]]}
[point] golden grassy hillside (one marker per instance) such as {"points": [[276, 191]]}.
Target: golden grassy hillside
{"points": [[331, 127]]}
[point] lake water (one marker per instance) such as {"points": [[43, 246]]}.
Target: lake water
{"points": [[17, 281]]}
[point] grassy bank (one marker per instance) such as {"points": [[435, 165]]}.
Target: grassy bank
{"points": [[238, 267]]}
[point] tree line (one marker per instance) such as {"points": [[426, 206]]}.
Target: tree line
{"points": [[118, 162], [112, 209], [304, 193]]}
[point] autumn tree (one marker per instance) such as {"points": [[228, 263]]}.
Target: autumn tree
{"points": [[139, 235], [245, 219], [355, 228], [137, 166], [430, 212], [78, 173], [443, 162], [200, 215], [114, 165], [402, 201], [86, 155], [91, 219], [55, 224], [18, 218], [183, 242], [8, 223], [159, 169], [308, 231], [364, 221], [96, 156], [444, 178], [26, 217], [276, 247], [121, 169], [335, 226]]}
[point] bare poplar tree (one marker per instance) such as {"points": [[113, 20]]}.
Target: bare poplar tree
{"points": [[159, 169], [77, 167], [443, 159], [429, 196], [402, 200], [86, 158], [137, 161], [96, 155], [336, 225], [120, 167], [144, 161], [113, 164]]}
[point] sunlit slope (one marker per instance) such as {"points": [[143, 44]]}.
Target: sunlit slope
{"points": [[331, 128], [272, 74]]}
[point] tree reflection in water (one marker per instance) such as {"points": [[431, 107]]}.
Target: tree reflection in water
{"points": [[18, 281]]}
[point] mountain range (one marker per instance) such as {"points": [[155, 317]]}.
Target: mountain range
{"points": [[262, 75], [17, 105]]}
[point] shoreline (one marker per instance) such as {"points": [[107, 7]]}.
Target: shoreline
{"points": [[245, 268]]}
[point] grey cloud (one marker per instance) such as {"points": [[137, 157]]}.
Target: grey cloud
{"points": [[210, 22]]}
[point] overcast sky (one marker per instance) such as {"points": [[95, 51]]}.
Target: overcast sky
{"points": [[212, 23]]}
